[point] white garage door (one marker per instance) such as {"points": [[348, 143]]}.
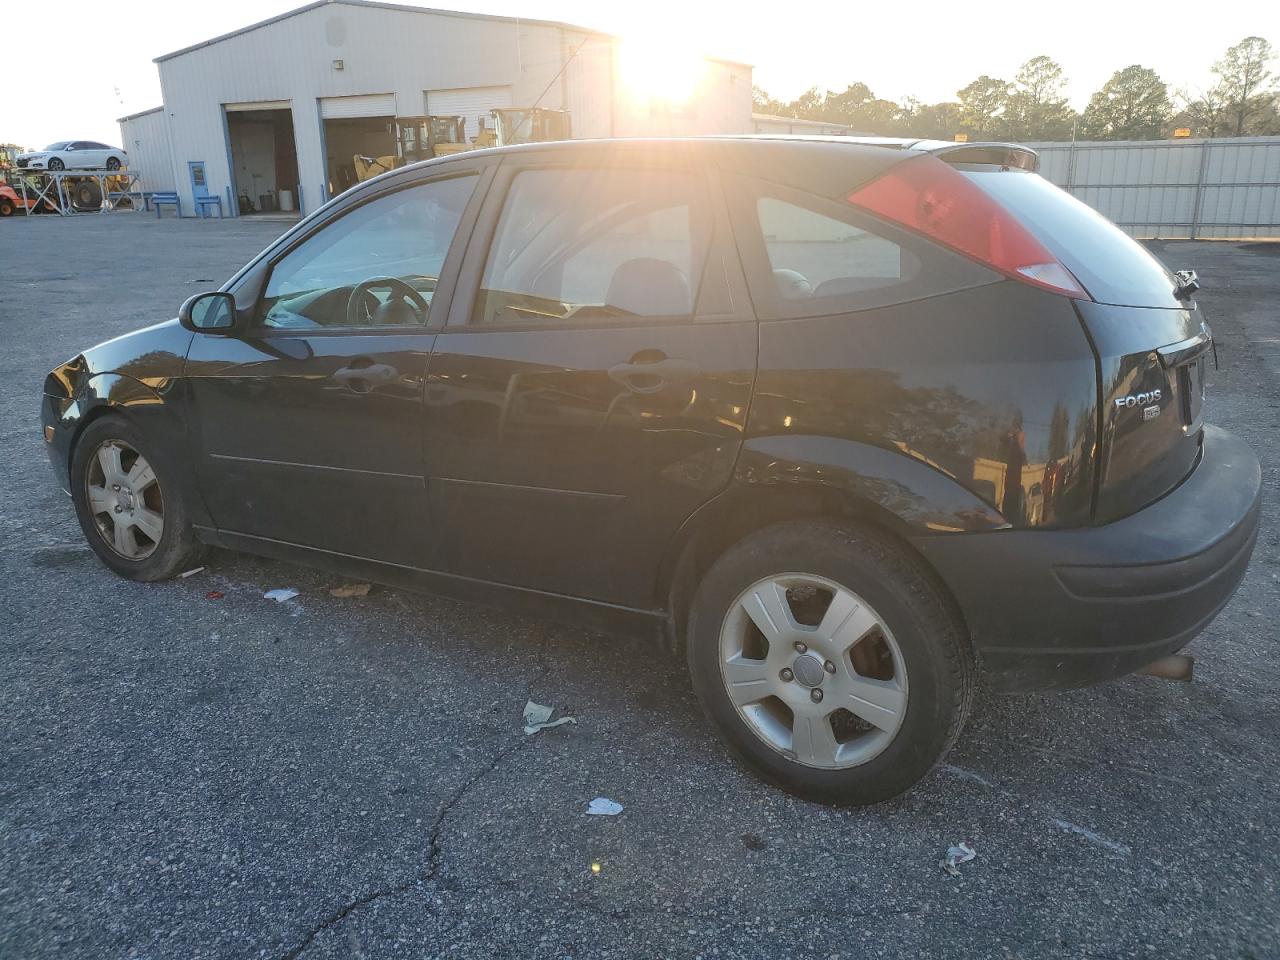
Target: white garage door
{"points": [[470, 102], [372, 105]]}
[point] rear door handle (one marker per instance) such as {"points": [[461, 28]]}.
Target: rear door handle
{"points": [[652, 377]]}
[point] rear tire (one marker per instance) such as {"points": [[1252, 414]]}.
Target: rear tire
{"points": [[865, 679], [129, 504], [6, 208], [113, 163]]}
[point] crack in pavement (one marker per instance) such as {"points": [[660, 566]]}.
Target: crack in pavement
{"points": [[432, 866]]}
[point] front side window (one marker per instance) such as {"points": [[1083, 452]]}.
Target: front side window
{"points": [[377, 266], [585, 245]]}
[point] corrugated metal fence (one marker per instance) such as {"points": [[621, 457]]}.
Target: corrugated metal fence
{"points": [[1174, 189]]}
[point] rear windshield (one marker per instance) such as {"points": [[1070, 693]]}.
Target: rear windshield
{"points": [[1113, 267]]}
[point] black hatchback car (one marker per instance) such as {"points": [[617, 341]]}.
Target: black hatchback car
{"points": [[842, 420]]}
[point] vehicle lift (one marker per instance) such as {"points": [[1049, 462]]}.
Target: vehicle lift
{"points": [[71, 192]]}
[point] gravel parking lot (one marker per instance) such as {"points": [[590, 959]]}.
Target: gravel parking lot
{"points": [[185, 777]]}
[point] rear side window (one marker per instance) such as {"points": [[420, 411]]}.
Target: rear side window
{"points": [[591, 244], [812, 256], [1110, 264], [815, 255]]}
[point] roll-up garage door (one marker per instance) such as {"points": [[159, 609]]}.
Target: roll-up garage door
{"points": [[258, 105], [371, 105], [469, 102]]}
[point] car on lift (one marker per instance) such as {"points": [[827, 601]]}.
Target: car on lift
{"points": [[844, 421], [74, 155]]}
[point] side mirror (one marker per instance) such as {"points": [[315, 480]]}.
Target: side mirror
{"points": [[208, 312]]}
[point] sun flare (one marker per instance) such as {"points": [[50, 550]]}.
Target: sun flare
{"points": [[655, 65]]}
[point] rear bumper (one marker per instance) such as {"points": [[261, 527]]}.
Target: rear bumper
{"points": [[1057, 609]]}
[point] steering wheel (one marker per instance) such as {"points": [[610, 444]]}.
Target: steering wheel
{"points": [[363, 307]]}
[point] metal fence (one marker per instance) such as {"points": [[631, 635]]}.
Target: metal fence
{"points": [[1174, 189]]}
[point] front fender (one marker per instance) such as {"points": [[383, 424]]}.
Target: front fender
{"points": [[153, 407]]}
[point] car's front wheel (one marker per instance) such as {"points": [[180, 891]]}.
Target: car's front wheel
{"points": [[830, 660], [55, 163], [128, 502]]}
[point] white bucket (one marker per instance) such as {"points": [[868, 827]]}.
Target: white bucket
{"points": [[286, 200]]}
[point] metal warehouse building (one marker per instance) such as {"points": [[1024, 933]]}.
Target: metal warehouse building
{"points": [[270, 116]]}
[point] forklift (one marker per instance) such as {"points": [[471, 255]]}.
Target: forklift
{"points": [[422, 138]]}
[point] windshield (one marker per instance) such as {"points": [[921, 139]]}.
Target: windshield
{"points": [[1113, 267], [60, 145]]}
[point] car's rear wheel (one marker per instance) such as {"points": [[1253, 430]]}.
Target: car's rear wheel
{"points": [[113, 163], [6, 207], [128, 502], [830, 660], [55, 163]]}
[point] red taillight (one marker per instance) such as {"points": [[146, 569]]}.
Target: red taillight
{"points": [[931, 197]]}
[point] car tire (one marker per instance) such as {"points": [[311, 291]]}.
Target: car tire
{"points": [[827, 667], [113, 163], [111, 486], [55, 163], [6, 208]]}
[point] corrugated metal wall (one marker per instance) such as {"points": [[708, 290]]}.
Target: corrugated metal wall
{"points": [[1174, 189], [145, 137]]}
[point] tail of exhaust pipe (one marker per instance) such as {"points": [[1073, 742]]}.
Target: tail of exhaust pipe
{"points": [[1176, 666]]}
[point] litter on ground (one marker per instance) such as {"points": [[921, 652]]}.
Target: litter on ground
{"points": [[538, 717], [345, 590], [960, 853], [603, 807], [190, 573], [280, 594], [214, 595]]}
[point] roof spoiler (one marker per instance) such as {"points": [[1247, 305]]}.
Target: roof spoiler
{"points": [[999, 154]]}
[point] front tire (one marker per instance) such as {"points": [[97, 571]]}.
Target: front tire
{"points": [[830, 660], [55, 163], [129, 504]]}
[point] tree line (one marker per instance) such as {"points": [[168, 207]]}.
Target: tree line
{"points": [[1135, 104]]}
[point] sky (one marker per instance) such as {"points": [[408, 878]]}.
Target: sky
{"points": [[927, 49]]}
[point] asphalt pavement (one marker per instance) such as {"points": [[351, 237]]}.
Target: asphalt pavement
{"points": [[187, 777]]}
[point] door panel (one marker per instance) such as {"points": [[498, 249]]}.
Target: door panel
{"points": [[310, 422], [552, 468], [315, 440], [579, 408]]}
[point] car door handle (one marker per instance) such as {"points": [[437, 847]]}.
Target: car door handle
{"points": [[362, 377], [652, 377]]}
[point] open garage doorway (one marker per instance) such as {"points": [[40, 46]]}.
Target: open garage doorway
{"points": [[358, 131], [264, 159]]}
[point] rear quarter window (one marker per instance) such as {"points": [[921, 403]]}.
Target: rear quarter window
{"points": [[811, 256], [1112, 266]]}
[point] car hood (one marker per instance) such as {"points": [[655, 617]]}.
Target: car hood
{"points": [[154, 356], [34, 154]]}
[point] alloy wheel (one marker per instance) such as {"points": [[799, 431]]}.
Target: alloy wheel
{"points": [[813, 670], [124, 500]]}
